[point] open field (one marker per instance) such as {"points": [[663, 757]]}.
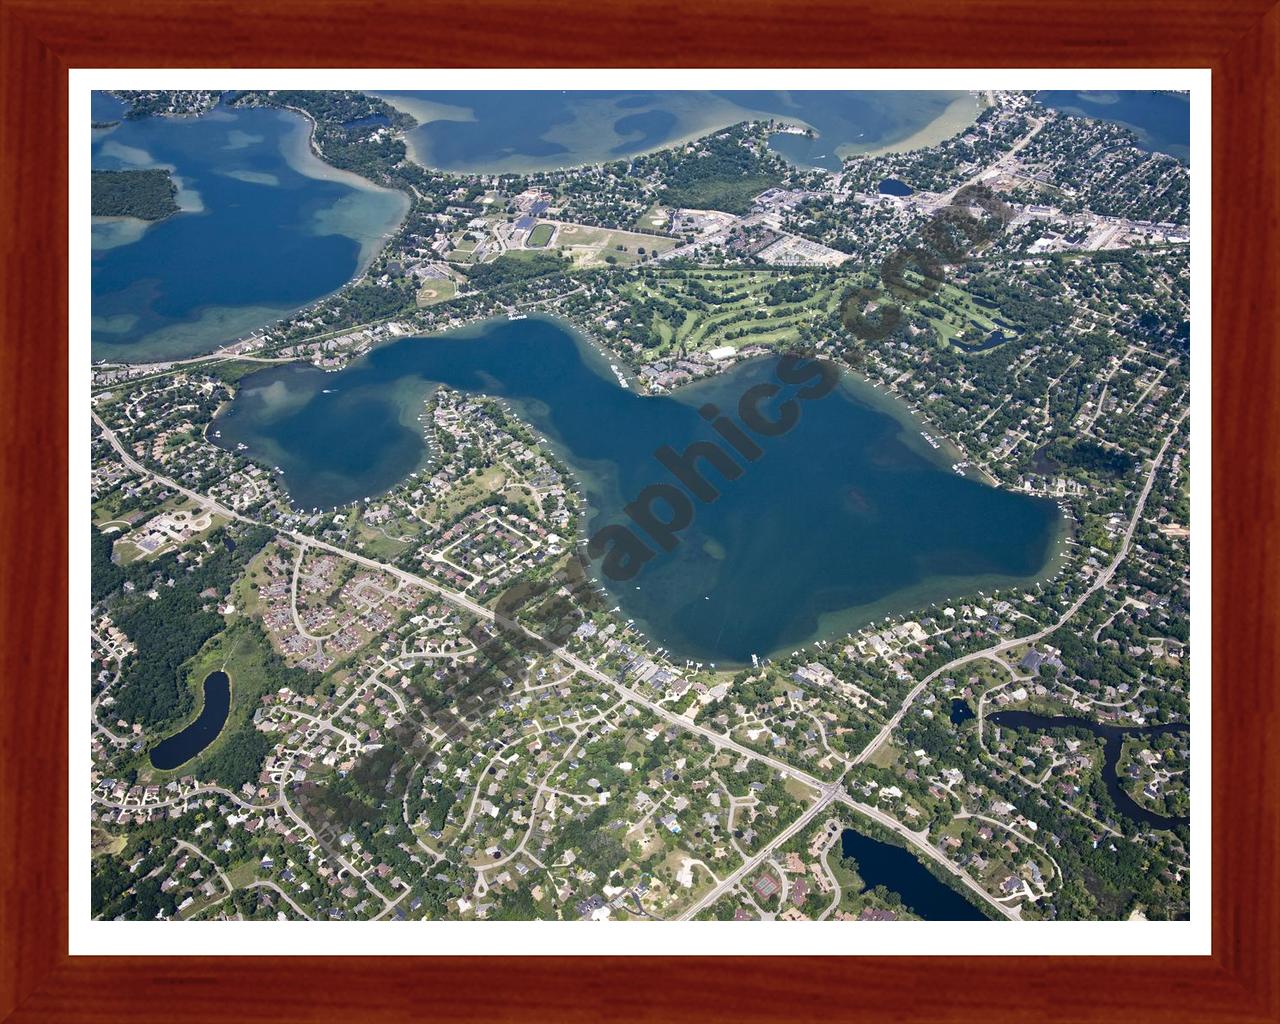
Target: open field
{"points": [[463, 251], [436, 290], [244, 592], [104, 843], [656, 218], [592, 246], [474, 491], [385, 542]]}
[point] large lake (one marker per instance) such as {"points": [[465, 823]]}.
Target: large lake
{"points": [[1160, 120], [517, 132], [846, 518], [266, 227]]}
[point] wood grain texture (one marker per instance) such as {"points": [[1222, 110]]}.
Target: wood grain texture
{"points": [[39, 41]]}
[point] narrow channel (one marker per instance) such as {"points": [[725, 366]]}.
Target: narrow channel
{"points": [[1113, 738]]}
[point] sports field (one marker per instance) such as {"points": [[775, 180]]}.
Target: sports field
{"points": [[540, 235]]}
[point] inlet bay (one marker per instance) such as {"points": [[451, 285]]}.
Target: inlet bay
{"points": [[864, 520], [265, 228], [501, 131]]}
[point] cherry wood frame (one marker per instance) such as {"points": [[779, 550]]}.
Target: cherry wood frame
{"points": [[41, 39]]}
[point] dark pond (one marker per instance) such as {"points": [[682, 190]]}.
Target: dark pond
{"points": [[960, 711], [894, 187], [1041, 463], [1113, 737], [897, 869], [991, 341], [182, 746]]}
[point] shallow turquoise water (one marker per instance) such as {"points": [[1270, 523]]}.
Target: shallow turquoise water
{"points": [[845, 518], [259, 234], [512, 131]]}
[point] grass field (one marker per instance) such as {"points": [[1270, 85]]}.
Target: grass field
{"points": [[960, 312], [589, 246], [540, 235], [474, 491], [434, 291], [244, 594], [382, 542], [103, 843], [462, 251], [656, 218], [238, 652], [684, 322]]}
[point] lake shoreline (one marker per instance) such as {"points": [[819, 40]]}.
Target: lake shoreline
{"points": [[721, 113], [959, 116], [311, 163], [401, 377], [200, 333]]}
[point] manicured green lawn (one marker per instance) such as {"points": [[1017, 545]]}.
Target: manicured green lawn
{"points": [[436, 290], [688, 321], [540, 235]]}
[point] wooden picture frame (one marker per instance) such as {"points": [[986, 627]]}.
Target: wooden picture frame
{"points": [[41, 40]]}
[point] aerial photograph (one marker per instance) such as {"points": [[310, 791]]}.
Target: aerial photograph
{"points": [[639, 505]]}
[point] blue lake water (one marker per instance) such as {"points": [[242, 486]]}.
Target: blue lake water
{"points": [[105, 107], [1161, 120], [265, 228], [182, 746], [895, 868], [845, 518], [505, 131]]}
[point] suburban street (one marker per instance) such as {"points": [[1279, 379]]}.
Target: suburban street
{"points": [[827, 792]]}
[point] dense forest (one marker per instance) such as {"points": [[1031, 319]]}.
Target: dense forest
{"points": [[723, 175], [239, 758], [1089, 456], [509, 271], [147, 195], [170, 627], [106, 577]]}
